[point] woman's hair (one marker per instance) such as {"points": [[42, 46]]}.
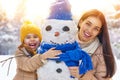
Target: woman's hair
{"points": [[104, 39]]}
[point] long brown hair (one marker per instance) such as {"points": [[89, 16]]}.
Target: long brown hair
{"points": [[104, 39]]}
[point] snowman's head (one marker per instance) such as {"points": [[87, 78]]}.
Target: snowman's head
{"points": [[59, 28], [59, 31]]}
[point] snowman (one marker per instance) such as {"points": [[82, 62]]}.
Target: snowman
{"points": [[59, 31]]}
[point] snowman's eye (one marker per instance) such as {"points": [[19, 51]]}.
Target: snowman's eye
{"points": [[48, 28], [66, 28]]}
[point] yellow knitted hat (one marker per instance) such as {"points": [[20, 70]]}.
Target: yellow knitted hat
{"points": [[27, 28]]}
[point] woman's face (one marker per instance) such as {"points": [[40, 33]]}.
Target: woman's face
{"points": [[89, 28], [32, 40]]}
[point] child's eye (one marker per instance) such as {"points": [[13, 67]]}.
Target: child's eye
{"points": [[35, 36], [28, 37], [48, 28], [66, 28]]}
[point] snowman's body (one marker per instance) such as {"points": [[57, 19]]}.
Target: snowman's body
{"points": [[57, 33], [54, 70]]}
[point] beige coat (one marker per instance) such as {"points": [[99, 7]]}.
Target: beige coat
{"points": [[27, 66], [99, 67]]}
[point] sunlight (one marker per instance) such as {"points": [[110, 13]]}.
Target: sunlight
{"points": [[9, 6], [38, 8], [114, 1]]}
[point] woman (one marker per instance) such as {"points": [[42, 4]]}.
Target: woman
{"points": [[26, 58], [94, 39]]}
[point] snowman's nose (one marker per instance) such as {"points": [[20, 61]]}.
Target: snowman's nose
{"points": [[57, 34]]}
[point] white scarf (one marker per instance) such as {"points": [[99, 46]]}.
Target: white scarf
{"points": [[90, 46]]}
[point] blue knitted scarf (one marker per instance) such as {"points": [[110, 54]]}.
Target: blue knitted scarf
{"points": [[71, 55]]}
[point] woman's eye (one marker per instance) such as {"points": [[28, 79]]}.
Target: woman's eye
{"points": [[66, 28], [88, 24], [97, 29], [48, 28]]}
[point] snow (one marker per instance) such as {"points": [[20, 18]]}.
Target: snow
{"points": [[4, 68], [12, 69]]}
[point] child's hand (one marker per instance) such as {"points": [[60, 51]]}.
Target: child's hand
{"points": [[51, 53]]}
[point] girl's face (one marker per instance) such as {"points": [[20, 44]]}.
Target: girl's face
{"points": [[89, 28], [32, 40]]}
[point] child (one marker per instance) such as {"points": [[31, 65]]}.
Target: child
{"points": [[26, 58]]}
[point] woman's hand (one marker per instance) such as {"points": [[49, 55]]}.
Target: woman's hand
{"points": [[88, 76], [74, 71], [51, 53]]}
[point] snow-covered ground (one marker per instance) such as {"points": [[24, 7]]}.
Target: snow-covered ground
{"points": [[6, 72], [5, 69]]}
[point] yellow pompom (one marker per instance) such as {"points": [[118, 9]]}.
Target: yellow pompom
{"points": [[27, 22]]}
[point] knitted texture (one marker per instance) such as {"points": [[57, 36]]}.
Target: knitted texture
{"points": [[60, 10], [71, 55]]}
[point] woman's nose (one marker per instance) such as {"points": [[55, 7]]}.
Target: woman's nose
{"points": [[90, 30]]}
